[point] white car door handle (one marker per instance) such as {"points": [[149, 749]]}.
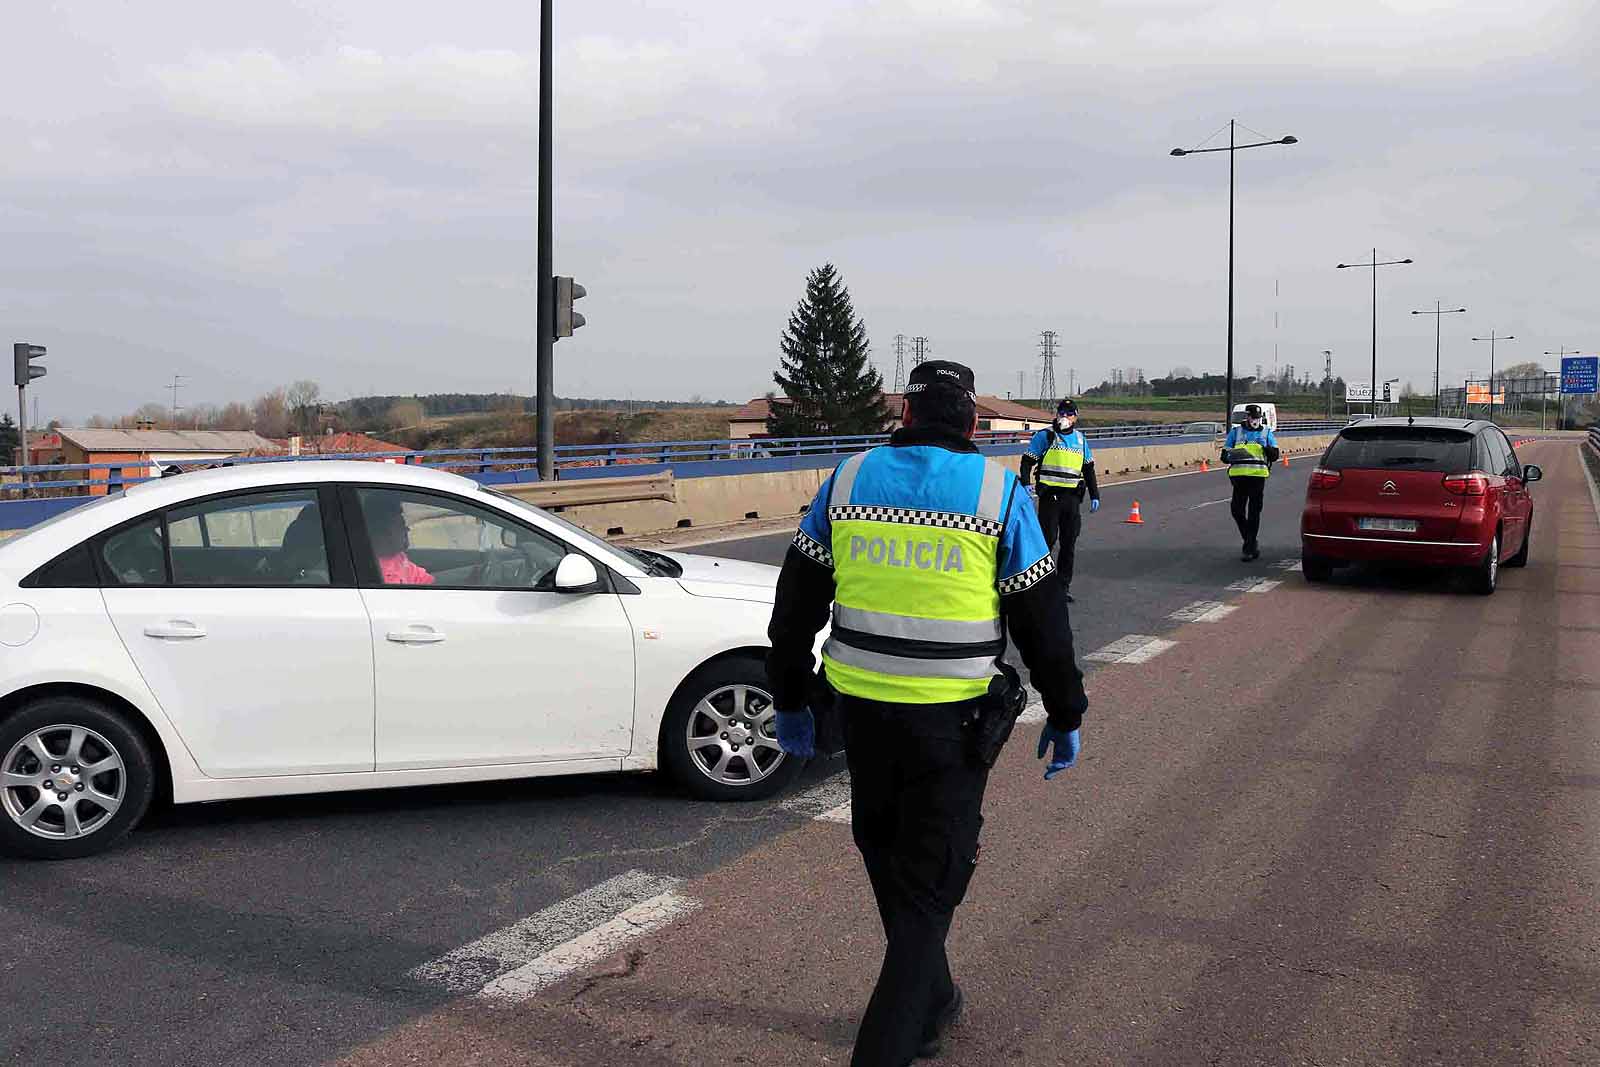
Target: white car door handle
{"points": [[177, 630], [416, 635]]}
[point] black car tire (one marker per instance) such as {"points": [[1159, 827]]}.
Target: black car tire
{"points": [[1315, 568], [1486, 575], [137, 773], [1521, 558], [711, 683]]}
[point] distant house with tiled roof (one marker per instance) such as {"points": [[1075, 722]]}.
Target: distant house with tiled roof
{"points": [[140, 453], [994, 414]]}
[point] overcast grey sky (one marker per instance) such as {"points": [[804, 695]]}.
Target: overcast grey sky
{"points": [[344, 189]]}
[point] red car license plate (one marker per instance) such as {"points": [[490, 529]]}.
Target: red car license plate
{"points": [[1389, 525]]}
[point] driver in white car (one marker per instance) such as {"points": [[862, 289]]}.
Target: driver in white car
{"points": [[386, 525]]}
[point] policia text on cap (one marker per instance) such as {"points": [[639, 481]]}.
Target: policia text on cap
{"points": [[927, 552]]}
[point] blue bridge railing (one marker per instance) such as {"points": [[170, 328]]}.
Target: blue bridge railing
{"points": [[519, 463]]}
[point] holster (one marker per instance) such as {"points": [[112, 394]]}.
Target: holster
{"points": [[825, 711], [995, 715]]}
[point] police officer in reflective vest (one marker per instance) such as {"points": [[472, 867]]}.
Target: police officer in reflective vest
{"points": [[928, 554], [1249, 451], [1065, 465]]}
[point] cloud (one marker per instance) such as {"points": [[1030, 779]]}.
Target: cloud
{"points": [[347, 192]]}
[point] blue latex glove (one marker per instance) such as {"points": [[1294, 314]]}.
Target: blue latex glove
{"points": [[1094, 505], [797, 733], [1066, 749]]}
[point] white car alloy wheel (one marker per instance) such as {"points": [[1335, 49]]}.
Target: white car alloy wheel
{"points": [[732, 735], [62, 782], [719, 737], [74, 779]]}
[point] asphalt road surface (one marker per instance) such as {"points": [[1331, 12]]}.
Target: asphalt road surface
{"points": [[1342, 823]]}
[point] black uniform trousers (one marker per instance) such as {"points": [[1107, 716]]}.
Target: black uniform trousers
{"points": [[916, 800], [1247, 497], [1061, 513]]}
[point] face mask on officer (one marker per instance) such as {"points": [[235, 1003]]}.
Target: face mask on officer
{"points": [[1066, 422]]}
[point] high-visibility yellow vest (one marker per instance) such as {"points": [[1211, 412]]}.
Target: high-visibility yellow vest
{"points": [[1062, 467], [916, 615], [1254, 467]]}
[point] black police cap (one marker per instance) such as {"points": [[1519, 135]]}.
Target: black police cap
{"points": [[940, 372]]}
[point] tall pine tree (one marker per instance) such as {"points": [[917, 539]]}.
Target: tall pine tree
{"points": [[831, 387]]}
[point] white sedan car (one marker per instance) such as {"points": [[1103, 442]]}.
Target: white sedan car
{"points": [[305, 627]]}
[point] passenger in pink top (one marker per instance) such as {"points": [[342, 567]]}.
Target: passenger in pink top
{"points": [[390, 538]]}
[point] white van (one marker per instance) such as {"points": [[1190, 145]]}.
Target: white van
{"points": [[1270, 411]]}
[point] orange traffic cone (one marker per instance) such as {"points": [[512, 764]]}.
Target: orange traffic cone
{"points": [[1204, 469], [1133, 516], [1286, 459]]}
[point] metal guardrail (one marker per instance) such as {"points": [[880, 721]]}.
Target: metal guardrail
{"points": [[57, 480]]}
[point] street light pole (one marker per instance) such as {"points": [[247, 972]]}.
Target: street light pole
{"points": [[1327, 372], [1233, 148], [1438, 311], [1492, 338], [1373, 266]]}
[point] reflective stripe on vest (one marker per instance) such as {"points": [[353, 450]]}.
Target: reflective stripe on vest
{"points": [[1255, 467], [916, 617], [1061, 467]]}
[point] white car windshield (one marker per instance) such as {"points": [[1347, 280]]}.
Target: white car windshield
{"points": [[578, 533]]}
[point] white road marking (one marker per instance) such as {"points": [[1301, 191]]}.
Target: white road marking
{"points": [[1255, 585], [1149, 651], [1208, 503], [1288, 564], [823, 799], [535, 937], [1203, 611], [589, 948], [1135, 648], [840, 815]]}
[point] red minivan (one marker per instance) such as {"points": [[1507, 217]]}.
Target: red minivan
{"points": [[1428, 492]]}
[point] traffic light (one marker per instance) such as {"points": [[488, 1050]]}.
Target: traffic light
{"points": [[25, 354], [566, 291]]}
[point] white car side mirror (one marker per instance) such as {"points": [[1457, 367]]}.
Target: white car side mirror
{"points": [[576, 574]]}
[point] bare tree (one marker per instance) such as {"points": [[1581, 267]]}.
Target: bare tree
{"points": [[233, 416], [158, 414], [270, 414], [303, 393]]}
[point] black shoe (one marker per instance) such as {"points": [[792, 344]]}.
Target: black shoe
{"points": [[948, 1016], [1070, 600]]}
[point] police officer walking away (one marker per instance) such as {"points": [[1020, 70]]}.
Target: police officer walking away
{"points": [[928, 553], [1065, 465], [1249, 451]]}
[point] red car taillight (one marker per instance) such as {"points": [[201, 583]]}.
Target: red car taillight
{"points": [[1322, 478], [1473, 484]]}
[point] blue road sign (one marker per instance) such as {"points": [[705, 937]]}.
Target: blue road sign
{"points": [[1580, 374]]}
